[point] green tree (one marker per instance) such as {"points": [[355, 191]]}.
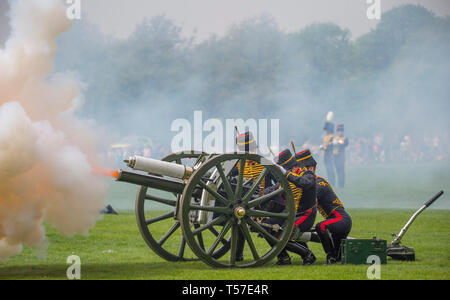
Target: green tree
{"points": [[376, 50]]}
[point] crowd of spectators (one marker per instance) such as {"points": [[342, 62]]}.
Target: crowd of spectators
{"points": [[361, 150], [379, 148], [117, 153]]}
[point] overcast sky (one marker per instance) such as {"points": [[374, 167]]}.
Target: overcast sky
{"points": [[206, 17], [119, 17]]}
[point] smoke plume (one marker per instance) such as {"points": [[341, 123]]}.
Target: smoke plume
{"points": [[46, 154]]}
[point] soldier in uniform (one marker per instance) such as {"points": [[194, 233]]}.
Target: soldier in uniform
{"points": [[246, 142], [252, 169], [327, 147], [303, 185], [340, 142], [337, 223]]}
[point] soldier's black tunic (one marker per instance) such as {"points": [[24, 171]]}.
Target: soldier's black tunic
{"points": [[303, 186], [337, 220], [306, 204]]}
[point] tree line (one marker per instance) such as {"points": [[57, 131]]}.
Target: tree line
{"points": [[393, 79]]}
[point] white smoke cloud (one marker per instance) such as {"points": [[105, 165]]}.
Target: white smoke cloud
{"points": [[46, 155]]}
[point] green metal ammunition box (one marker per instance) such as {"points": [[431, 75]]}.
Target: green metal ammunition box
{"points": [[356, 251]]}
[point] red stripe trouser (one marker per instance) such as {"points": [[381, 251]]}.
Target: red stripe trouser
{"points": [[305, 220]]}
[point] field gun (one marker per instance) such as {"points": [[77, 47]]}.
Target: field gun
{"points": [[204, 201]]}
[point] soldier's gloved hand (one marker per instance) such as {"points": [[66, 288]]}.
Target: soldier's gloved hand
{"points": [[335, 141], [272, 188]]}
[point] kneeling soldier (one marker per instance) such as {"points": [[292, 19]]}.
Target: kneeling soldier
{"points": [[303, 185], [337, 223]]}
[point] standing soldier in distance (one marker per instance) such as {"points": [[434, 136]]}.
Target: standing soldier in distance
{"points": [[340, 142], [327, 147]]}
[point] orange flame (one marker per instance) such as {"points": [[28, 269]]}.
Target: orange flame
{"points": [[99, 171]]}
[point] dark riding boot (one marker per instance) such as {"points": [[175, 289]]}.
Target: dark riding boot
{"points": [[283, 258], [302, 250], [328, 246]]}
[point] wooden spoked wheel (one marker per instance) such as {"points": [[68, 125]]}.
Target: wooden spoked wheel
{"points": [[157, 221], [231, 208]]}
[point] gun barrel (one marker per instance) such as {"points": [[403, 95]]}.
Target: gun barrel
{"points": [[159, 167], [157, 182]]}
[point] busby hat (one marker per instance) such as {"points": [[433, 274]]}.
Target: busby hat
{"points": [[286, 160], [305, 158], [246, 141], [328, 125], [340, 127]]}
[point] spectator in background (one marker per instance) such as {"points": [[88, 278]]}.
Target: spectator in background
{"points": [[315, 149], [340, 142], [378, 148], [362, 150], [147, 152]]}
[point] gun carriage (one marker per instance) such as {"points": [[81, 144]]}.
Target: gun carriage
{"points": [[210, 206]]}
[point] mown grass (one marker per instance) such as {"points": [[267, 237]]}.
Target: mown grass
{"points": [[380, 199], [115, 249]]}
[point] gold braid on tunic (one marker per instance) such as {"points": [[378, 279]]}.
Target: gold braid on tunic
{"points": [[298, 192], [340, 140], [327, 140], [253, 169]]}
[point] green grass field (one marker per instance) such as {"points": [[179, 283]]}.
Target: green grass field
{"points": [[379, 198], [115, 250]]}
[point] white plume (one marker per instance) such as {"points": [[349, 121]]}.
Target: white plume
{"points": [[46, 154], [330, 116]]}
